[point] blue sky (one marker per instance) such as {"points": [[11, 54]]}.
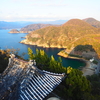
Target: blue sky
{"points": [[48, 10]]}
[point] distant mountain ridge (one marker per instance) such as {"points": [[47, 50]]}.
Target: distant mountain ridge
{"points": [[21, 24], [13, 25], [93, 22]]}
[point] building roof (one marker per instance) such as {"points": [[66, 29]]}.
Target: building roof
{"points": [[39, 85]]}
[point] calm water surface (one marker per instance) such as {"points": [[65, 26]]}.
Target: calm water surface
{"points": [[8, 40]]}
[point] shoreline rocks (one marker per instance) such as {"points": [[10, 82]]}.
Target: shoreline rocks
{"points": [[16, 31], [26, 41]]}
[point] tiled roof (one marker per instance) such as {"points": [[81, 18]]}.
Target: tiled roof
{"points": [[39, 85]]}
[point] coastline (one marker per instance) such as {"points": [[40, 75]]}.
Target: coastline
{"points": [[89, 69], [25, 41]]}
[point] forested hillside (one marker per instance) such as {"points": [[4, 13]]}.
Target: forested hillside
{"points": [[71, 34]]}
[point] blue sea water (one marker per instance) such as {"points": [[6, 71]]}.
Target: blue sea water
{"points": [[9, 40]]}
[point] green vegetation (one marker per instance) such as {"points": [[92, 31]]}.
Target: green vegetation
{"points": [[84, 48], [74, 87], [95, 84], [46, 63], [73, 55], [95, 62]]}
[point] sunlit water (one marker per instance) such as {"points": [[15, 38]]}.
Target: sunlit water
{"points": [[9, 40]]}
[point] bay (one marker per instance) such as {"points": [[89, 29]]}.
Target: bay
{"points": [[9, 40]]}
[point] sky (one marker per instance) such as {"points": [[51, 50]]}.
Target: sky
{"points": [[48, 10]]}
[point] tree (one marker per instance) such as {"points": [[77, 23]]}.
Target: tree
{"points": [[95, 83], [69, 69], [52, 63], [42, 59], [77, 85], [30, 53]]}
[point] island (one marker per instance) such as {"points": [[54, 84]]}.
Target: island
{"points": [[14, 31]]}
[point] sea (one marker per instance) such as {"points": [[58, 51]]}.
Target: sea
{"points": [[12, 40]]}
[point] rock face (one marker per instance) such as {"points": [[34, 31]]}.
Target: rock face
{"points": [[14, 31]]}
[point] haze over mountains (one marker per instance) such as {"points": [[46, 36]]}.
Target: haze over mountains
{"points": [[12, 25], [21, 24]]}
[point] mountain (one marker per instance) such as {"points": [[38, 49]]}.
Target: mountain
{"points": [[33, 27], [53, 36], [77, 27], [93, 22], [74, 33]]}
